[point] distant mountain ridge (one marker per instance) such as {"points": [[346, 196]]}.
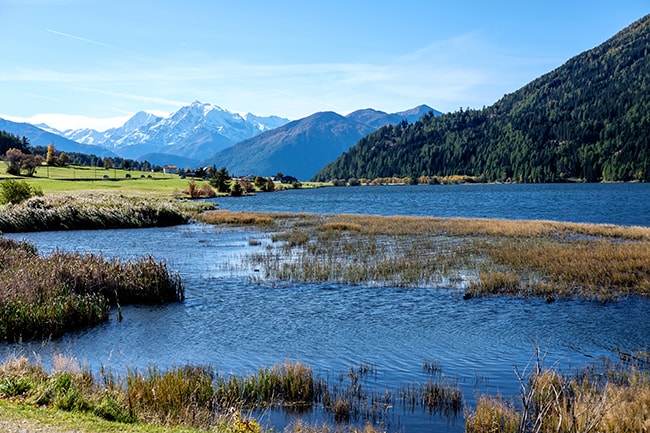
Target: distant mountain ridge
{"points": [[300, 148], [193, 132], [204, 134], [41, 137], [587, 120]]}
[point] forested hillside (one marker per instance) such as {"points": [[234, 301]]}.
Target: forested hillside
{"points": [[589, 119]]}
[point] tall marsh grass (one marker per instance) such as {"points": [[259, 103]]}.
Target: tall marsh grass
{"points": [[287, 384], [96, 211], [613, 401], [480, 256], [47, 296]]}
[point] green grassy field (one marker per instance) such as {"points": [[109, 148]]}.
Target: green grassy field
{"points": [[79, 178]]}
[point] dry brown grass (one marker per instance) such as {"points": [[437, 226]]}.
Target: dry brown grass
{"points": [[260, 219], [552, 403], [484, 257], [493, 415]]}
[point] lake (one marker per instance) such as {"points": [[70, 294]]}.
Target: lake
{"points": [[611, 203], [237, 325]]}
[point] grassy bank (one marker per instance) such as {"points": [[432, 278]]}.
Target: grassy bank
{"points": [[611, 399], [478, 256], [96, 211], [19, 418], [47, 296], [196, 397]]}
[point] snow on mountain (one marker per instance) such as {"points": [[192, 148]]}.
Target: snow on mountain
{"points": [[194, 131]]}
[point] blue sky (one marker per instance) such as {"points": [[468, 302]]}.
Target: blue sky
{"points": [[93, 63]]}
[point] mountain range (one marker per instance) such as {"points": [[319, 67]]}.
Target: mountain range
{"points": [[189, 135], [302, 147], [38, 136], [587, 120], [203, 134]]}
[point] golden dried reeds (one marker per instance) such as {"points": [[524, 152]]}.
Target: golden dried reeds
{"points": [[96, 211], [45, 296], [485, 257]]}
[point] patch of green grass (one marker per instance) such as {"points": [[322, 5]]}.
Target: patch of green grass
{"points": [[80, 178], [20, 417]]}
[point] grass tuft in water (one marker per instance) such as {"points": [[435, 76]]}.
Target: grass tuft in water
{"points": [[47, 296]]}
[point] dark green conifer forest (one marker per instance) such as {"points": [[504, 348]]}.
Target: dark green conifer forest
{"points": [[587, 120]]}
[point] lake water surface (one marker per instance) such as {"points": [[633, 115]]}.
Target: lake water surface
{"points": [[237, 326]]}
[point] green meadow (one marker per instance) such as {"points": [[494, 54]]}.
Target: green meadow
{"points": [[52, 179]]}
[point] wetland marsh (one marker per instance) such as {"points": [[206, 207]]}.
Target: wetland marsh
{"points": [[254, 298]]}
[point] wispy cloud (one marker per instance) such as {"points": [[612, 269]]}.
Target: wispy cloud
{"points": [[79, 38], [135, 97]]}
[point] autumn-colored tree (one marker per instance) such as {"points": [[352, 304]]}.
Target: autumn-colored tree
{"points": [[18, 162], [50, 158]]}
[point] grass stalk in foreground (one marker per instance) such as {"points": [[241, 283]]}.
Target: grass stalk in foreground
{"points": [[614, 401]]}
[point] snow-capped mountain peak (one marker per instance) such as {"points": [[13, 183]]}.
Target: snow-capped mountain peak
{"points": [[193, 131]]}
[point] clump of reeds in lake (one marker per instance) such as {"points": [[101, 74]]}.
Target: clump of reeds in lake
{"points": [[46, 296], [287, 384], [176, 396], [615, 400], [97, 211], [483, 257]]}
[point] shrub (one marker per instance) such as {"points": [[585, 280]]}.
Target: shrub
{"points": [[16, 191]]}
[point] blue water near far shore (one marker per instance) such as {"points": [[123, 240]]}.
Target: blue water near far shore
{"points": [[607, 203]]}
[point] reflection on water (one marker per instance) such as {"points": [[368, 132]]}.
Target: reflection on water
{"points": [[237, 326]]}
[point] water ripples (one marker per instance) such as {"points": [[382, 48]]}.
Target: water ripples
{"points": [[238, 326]]}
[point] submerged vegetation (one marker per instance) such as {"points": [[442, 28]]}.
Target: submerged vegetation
{"points": [[478, 256], [96, 211], [47, 296]]}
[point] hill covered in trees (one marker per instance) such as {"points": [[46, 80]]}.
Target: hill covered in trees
{"points": [[589, 119]]}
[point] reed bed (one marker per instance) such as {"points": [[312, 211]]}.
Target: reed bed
{"points": [[259, 219], [47, 296], [178, 396], [196, 396], [614, 401], [96, 211], [479, 257]]}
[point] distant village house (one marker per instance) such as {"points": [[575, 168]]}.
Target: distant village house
{"points": [[170, 169]]}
